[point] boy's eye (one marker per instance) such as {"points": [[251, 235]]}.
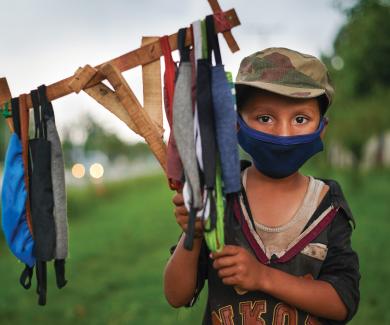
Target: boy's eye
{"points": [[300, 119], [264, 118]]}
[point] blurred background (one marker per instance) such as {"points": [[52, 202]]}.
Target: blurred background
{"points": [[120, 212]]}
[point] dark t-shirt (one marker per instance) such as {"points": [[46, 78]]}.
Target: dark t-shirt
{"points": [[340, 268]]}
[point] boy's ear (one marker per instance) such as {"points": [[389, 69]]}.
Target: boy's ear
{"points": [[322, 135]]}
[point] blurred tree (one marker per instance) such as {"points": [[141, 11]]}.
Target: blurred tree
{"points": [[359, 68], [98, 139], [363, 43]]}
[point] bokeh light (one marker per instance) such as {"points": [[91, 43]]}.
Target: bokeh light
{"points": [[337, 63], [78, 170], [96, 170]]}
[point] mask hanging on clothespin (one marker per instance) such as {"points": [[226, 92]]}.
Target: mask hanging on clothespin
{"points": [[225, 115], [174, 165], [42, 202], [205, 115], [205, 140], [15, 222], [227, 163], [198, 54], [59, 191], [183, 125]]}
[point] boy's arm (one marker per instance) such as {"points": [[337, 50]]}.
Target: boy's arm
{"points": [[316, 297], [181, 272], [180, 276]]}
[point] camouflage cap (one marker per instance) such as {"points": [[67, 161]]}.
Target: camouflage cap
{"points": [[285, 72]]}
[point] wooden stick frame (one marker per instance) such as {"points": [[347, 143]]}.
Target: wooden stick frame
{"points": [[141, 56], [122, 102]]}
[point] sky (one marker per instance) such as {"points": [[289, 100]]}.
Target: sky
{"points": [[44, 41]]}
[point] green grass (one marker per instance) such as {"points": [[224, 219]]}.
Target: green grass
{"points": [[120, 236], [119, 243]]}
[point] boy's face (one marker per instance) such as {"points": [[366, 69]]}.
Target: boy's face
{"points": [[280, 115]]}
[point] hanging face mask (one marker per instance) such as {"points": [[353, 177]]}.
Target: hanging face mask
{"points": [[279, 156]]}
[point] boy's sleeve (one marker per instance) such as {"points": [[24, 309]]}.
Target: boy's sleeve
{"points": [[202, 272], [341, 266]]}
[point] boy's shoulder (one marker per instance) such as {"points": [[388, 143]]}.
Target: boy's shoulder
{"points": [[338, 199]]}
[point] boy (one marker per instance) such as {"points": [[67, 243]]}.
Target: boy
{"points": [[291, 261]]}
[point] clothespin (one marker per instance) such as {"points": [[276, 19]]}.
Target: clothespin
{"points": [[5, 97], [5, 111]]}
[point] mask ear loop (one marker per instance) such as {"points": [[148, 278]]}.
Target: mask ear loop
{"points": [[189, 240], [326, 120], [26, 277], [233, 220], [210, 200]]}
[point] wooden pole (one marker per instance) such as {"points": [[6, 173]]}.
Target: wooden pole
{"points": [[152, 90]]}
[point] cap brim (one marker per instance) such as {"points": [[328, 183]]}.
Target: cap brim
{"points": [[293, 92]]}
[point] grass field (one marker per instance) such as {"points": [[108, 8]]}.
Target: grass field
{"points": [[120, 235]]}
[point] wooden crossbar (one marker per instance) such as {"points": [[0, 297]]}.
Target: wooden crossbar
{"points": [[141, 56]]}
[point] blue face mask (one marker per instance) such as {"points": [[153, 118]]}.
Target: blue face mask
{"points": [[279, 156]]}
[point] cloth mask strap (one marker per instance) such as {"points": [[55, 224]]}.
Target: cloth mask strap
{"points": [[47, 108], [169, 76], [26, 277], [37, 114], [16, 115], [59, 267], [197, 37], [41, 274], [212, 41], [181, 45]]}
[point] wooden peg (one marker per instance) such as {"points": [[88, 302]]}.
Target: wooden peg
{"points": [[140, 118], [5, 96], [152, 90], [81, 78], [230, 19]]}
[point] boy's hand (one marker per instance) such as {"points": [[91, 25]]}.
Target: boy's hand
{"points": [[182, 216], [237, 267]]}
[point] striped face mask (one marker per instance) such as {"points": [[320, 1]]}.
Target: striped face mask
{"points": [[279, 156]]}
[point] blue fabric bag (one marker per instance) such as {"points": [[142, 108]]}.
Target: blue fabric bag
{"points": [[14, 195]]}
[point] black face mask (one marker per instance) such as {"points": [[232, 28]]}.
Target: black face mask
{"points": [[41, 198]]}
